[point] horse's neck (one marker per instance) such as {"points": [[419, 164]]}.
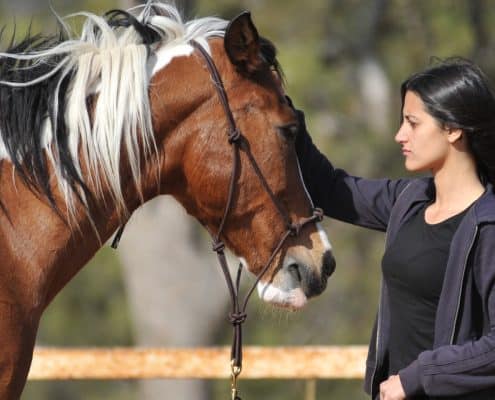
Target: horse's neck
{"points": [[177, 91], [178, 96], [39, 250], [36, 243]]}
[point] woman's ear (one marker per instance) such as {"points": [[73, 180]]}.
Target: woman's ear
{"points": [[454, 135]]}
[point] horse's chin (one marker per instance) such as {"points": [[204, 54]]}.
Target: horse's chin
{"points": [[292, 299]]}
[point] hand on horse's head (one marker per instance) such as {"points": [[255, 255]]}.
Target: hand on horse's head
{"points": [[301, 121]]}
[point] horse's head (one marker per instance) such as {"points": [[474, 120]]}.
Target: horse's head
{"points": [[199, 155]]}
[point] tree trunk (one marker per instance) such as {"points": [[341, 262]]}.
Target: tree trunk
{"points": [[175, 290], [358, 46]]}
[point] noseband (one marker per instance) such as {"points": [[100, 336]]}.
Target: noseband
{"points": [[238, 314]]}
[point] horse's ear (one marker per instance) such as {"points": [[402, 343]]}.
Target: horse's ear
{"points": [[242, 44]]}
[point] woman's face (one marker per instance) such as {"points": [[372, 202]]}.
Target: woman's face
{"points": [[424, 142]]}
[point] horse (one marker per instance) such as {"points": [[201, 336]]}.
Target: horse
{"points": [[94, 125]]}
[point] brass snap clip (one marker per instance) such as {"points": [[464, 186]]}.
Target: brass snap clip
{"points": [[236, 370]]}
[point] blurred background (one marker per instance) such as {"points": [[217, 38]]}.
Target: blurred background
{"points": [[344, 61]]}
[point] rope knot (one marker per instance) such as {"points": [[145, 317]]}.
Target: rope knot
{"points": [[294, 229], [237, 318], [318, 214], [234, 135], [218, 247]]}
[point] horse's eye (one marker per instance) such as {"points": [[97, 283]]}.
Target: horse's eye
{"points": [[289, 131]]}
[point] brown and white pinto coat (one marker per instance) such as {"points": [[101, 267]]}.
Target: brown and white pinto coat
{"points": [[41, 250]]}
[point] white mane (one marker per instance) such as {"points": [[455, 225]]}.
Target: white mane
{"points": [[114, 62]]}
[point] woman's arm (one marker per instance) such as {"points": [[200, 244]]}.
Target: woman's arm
{"points": [[364, 202]]}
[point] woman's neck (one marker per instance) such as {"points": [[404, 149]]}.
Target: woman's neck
{"points": [[457, 184]]}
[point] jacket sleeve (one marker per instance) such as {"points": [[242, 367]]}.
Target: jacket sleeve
{"points": [[364, 202], [461, 369]]}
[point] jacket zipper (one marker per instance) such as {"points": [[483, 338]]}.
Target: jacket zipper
{"points": [[379, 318], [378, 322], [462, 285], [377, 341]]}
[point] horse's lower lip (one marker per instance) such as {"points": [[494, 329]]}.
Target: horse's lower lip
{"points": [[292, 305], [293, 299], [297, 299]]}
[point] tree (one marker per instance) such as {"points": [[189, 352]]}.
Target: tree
{"points": [[174, 288]]}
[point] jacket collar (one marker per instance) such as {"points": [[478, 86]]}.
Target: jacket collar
{"points": [[484, 207]]}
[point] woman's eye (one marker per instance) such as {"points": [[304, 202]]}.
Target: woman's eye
{"points": [[289, 131]]}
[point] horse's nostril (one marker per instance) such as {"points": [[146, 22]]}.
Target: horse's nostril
{"points": [[328, 264], [295, 272], [311, 280]]}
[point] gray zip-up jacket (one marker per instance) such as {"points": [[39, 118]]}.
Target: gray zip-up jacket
{"points": [[461, 364]]}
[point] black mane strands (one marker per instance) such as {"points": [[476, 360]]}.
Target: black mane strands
{"points": [[27, 113]]}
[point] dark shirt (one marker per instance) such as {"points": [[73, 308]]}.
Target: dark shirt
{"points": [[414, 268]]}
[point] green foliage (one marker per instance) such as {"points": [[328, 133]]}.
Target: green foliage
{"points": [[91, 310]]}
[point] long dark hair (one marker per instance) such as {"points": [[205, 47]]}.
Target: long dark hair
{"points": [[458, 95]]}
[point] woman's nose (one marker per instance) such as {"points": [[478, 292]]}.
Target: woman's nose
{"points": [[400, 136]]}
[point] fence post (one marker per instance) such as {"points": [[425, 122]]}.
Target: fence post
{"points": [[310, 389]]}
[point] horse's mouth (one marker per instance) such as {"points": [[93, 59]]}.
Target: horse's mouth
{"points": [[293, 299]]}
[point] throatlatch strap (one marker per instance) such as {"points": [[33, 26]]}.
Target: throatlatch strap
{"points": [[118, 236]]}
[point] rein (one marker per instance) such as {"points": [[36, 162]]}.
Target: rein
{"points": [[238, 315]]}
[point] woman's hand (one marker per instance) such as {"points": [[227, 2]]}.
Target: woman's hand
{"points": [[392, 389]]}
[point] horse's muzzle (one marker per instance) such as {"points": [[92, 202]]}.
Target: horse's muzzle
{"points": [[313, 282], [328, 265]]}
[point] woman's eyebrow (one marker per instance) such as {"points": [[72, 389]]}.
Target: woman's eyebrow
{"points": [[411, 117]]}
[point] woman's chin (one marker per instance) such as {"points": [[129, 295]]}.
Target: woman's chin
{"points": [[415, 168]]}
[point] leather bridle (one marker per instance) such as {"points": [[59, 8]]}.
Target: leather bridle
{"points": [[238, 315]]}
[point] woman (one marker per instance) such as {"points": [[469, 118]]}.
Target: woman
{"points": [[434, 335]]}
